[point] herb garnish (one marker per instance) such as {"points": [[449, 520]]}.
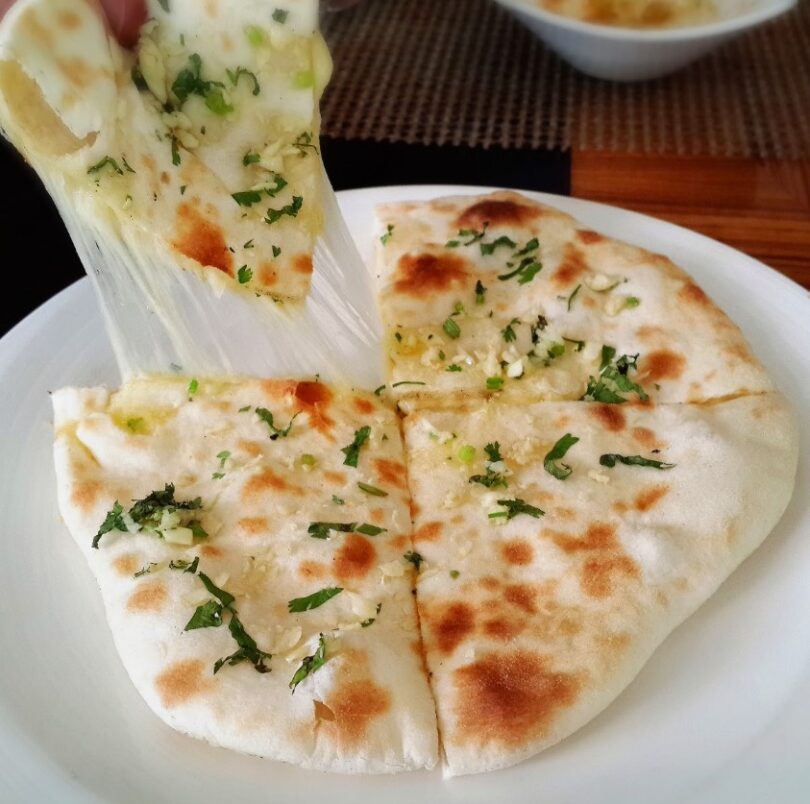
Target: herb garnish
{"points": [[235, 75], [372, 490], [508, 333], [267, 417], [556, 453], [473, 234], [352, 451], [451, 328], [185, 566], [573, 296], [389, 231], [291, 209], [280, 15], [414, 558], [310, 664], [515, 508], [480, 292], [244, 275], [370, 620], [611, 458], [494, 383], [304, 141], [614, 380], [491, 479], [405, 382], [320, 530], [250, 159], [107, 160], [313, 601], [338, 500]]}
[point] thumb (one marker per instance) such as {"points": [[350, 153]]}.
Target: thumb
{"points": [[125, 18]]}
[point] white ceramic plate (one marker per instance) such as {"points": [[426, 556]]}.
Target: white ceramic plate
{"points": [[719, 714]]}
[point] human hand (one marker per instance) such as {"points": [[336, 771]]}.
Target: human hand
{"points": [[124, 17]]}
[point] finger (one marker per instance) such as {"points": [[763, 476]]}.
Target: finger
{"points": [[125, 19], [5, 5]]}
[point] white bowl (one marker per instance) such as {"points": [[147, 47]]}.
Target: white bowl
{"points": [[633, 54]]}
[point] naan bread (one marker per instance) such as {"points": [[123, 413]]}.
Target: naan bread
{"points": [[202, 145], [539, 333], [368, 708], [639, 13], [532, 625]]}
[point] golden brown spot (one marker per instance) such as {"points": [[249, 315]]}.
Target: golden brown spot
{"points": [[518, 552], [377, 515], [503, 628], [490, 583], [253, 525], [164, 177], [315, 398], [521, 595], [401, 542], [84, 495], [454, 626], [610, 417], [202, 239], [599, 574], [565, 513], [662, 365], [302, 264], [147, 597], [40, 33], [354, 705], [210, 551], [312, 570], [251, 447], [268, 276], [266, 481], [127, 564], [414, 508], [693, 294], [391, 472], [334, 477], [588, 237], [322, 711], [425, 275], [572, 267], [429, 532], [509, 698], [180, 682], [645, 437], [650, 497], [419, 651], [497, 213], [740, 351], [597, 537], [363, 405], [355, 558], [68, 20]]}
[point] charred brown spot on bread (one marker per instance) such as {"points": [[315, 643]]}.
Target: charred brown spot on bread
{"points": [[322, 711], [419, 651], [598, 536], [600, 575], [567, 514], [571, 268], [377, 515], [148, 597], [355, 558], [267, 481], [425, 275], [508, 698], [315, 398], [355, 704], [401, 542], [504, 628], [589, 237], [517, 552], [497, 212], [338, 478], [180, 682], [84, 495], [429, 532], [521, 595], [253, 448], [646, 437], [392, 473], [202, 239], [312, 570], [740, 351], [268, 275], [453, 627], [302, 264], [662, 364], [694, 294], [650, 497], [490, 583], [127, 564], [611, 417], [209, 551], [414, 508], [363, 405]]}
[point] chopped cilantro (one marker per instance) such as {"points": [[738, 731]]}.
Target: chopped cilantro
{"points": [[280, 15], [572, 297], [313, 601], [372, 490], [235, 75], [556, 453], [338, 500], [494, 383], [508, 333], [106, 161], [275, 432], [451, 328], [480, 292], [193, 387], [610, 460], [503, 240], [453, 367], [389, 230], [244, 275], [310, 664], [414, 558], [250, 159], [352, 451], [291, 209], [515, 508]]}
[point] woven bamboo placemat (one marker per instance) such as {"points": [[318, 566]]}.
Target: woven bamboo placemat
{"points": [[464, 72]]}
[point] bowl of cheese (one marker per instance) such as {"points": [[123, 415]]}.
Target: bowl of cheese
{"points": [[636, 40]]}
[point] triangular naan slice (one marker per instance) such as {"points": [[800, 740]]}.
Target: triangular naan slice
{"points": [[301, 490], [205, 139], [533, 623], [500, 295]]}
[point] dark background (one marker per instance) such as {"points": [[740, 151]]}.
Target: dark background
{"points": [[35, 248]]}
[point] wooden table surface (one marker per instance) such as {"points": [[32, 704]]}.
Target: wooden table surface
{"points": [[759, 207]]}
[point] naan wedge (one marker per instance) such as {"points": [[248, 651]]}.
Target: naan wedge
{"points": [[257, 502], [543, 591], [200, 147], [500, 295]]}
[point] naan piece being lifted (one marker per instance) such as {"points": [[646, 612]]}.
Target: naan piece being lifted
{"points": [[500, 295], [562, 542], [252, 544], [201, 145]]}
